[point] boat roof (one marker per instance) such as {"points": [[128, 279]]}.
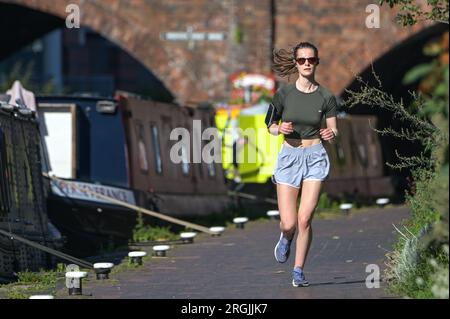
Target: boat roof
{"points": [[74, 97]]}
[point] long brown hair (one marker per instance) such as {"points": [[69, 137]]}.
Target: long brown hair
{"points": [[284, 60]]}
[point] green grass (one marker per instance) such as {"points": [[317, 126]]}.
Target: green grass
{"points": [[153, 233], [418, 282], [420, 257], [326, 204], [127, 265], [30, 283]]}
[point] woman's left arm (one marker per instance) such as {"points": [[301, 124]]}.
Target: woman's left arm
{"points": [[330, 132]]}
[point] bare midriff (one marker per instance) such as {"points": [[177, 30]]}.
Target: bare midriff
{"points": [[295, 142]]}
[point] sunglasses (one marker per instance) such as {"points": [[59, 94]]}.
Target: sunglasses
{"points": [[312, 60]]}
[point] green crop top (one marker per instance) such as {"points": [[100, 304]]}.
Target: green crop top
{"points": [[304, 110]]}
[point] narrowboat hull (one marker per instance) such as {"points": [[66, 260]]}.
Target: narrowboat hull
{"points": [[90, 225], [89, 229], [23, 209]]}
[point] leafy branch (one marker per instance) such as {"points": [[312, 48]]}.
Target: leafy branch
{"points": [[418, 129], [412, 11]]}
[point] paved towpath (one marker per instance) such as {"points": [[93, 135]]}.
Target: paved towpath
{"points": [[240, 263]]}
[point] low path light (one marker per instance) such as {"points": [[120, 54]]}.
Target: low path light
{"points": [[273, 214], [188, 237], [136, 256], [381, 202], [41, 297], [240, 222], [74, 282], [217, 230], [345, 208], [102, 270], [160, 250]]}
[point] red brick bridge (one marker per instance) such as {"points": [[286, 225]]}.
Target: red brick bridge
{"points": [[242, 36]]}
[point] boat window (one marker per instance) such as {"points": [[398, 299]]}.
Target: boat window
{"points": [[184, 154], [197, 133], [372, 149], [185, 160], [142, 154], [57, 122], [210, 166], [156, 148], [362, 154], [339, 151], [211, 169]]}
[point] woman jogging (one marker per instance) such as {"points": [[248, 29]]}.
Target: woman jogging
{"points": [[303, 162]]}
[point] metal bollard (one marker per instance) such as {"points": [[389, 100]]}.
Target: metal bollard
{"points": [[160, 250], [74, 282], [188, 237], [136, 256], [381, 202], [217, 230], [345, 208], [240, 222], [102, 270], [273, 214], [41, 297]]}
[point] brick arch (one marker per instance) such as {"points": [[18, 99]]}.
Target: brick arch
{"points": [[346, 46], [394, 64], [100, 17], [202, 73]]}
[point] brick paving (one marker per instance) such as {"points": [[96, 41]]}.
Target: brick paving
{"points": [[240, 263]]}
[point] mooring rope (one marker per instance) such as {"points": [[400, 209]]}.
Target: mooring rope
{"points": [[54, 252]]}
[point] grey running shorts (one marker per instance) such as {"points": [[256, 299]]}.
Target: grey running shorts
{"points": [[297, 164]]}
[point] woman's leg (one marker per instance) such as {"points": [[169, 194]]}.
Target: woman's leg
{"points": [[287, 205], [308, 202]]}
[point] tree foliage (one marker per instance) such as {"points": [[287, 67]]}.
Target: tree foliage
{"points": [[411, 11], [419, 265]]}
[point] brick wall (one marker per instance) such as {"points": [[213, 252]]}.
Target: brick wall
{"points": [[253, 29]]}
